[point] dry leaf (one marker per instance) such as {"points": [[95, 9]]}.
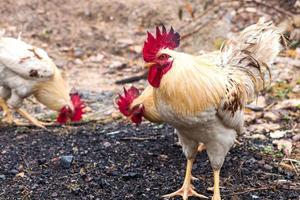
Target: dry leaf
{"points": [[271, 116], [290, 103], [284, 145], [21, 174], [277, 134], [291, 53], [264, 127], [296, 137]]}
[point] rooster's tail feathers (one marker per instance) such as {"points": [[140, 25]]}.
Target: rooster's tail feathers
{"points": [[253, 51]]}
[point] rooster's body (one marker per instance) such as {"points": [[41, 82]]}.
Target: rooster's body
{"points": [[203, 97], [27, 70]]}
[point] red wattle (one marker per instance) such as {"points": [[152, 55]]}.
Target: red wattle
{"points": [[62, 118], [155, 75], [137, 115]]}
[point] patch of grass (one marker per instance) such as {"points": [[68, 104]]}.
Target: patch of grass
{"points": [[281, 89], [270, 150], [286, 118], [53, 116]]}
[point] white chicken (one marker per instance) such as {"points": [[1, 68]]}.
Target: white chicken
{"points": [[27, 70]]}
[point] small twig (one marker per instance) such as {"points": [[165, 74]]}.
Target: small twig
{"points": [[253, 189], [31, 100], [292, 160], [269, 106], [290, 166], [240, 168], [295, 169], [218, 5], [293, 128], [272, 8], [26, 164], [138, 139], [58, 125]]}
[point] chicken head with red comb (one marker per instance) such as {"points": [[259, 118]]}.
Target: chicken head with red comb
{"points": [[72, 113], [163, 39], [159, 63], [124, 104]]}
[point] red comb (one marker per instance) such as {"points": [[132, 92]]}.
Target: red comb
{"points": [[163, 39], [78, 107], [125, 100]]}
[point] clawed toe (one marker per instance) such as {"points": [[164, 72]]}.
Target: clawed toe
{"points": [[185, 192]]}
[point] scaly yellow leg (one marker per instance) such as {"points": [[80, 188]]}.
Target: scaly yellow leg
{"points": [[33, 120], [201, 147], [216, 195], [187, 188], [7, 115]]}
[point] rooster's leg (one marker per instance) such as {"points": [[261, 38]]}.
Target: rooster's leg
{"points": [[32, 119], [7, 115], [187, 188], [201, 147], [216, 195]]}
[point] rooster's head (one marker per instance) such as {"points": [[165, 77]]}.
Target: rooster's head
{"points": [[159, 62], [124, 103], [72, 112]]}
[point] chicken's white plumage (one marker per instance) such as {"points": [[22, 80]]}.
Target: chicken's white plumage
{"points": [[22, 66], [25, 60]]}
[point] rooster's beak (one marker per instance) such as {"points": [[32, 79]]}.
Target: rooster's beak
{"points": [[150, 64]]}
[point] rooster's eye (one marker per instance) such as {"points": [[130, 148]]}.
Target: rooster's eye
{"points": [[163, 57]]}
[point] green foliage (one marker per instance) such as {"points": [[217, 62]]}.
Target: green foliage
{"points": [[281, 89], [271, 151]]}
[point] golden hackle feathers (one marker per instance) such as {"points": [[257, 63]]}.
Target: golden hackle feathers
{"points": [[54, 93], [192, 85]]}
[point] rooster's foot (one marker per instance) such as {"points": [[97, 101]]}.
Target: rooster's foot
{"points": [[187, 188], [185, 192]]}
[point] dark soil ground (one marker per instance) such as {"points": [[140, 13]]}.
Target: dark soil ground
{"points": [[119, 161]]}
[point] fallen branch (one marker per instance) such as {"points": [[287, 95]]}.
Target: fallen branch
{"points": [[132, 79]]}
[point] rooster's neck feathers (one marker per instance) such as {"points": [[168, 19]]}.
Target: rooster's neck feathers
{"points": [[58, 89], [147, 99], [191, 86]]}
